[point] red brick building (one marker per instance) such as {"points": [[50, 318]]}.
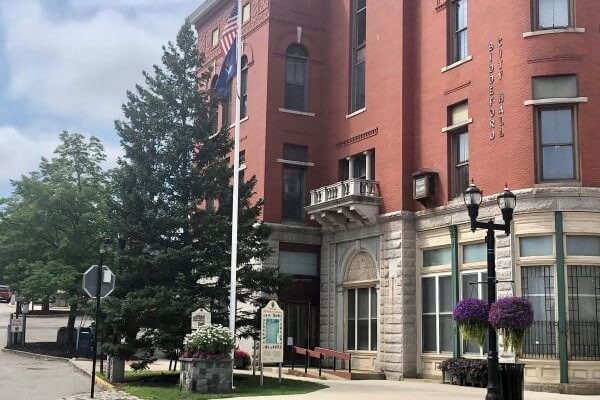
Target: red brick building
{"points": [[364, 122]]}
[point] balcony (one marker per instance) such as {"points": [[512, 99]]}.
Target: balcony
{"points": [[353, 202]]}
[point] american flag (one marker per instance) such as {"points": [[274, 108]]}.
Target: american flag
{"points": [[230, 30]]}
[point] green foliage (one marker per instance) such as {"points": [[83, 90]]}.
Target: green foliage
{"points": [[177, 257], [51, 226], [245, 386]]}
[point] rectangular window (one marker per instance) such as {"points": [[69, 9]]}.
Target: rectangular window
{"points": [[557, 156], [584, 311], [536, 246], [552, 14], [294, 152], [580, 245], [474, 286], [244, 88], [227, 106], [215, 37], [459, 149], [296, 76], [294, 187], [459, 49], [556, 143], [359, 45], [436, 314], [435, 257], [537, 286], [362, 319], [460, 163], [298, 263], [246, 13], [474, 253]]}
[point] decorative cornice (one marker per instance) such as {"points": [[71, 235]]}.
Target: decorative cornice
{"points": [[357, 138]]}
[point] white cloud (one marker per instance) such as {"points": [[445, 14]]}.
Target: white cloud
{"points": [[78, 63], [21, 151]]}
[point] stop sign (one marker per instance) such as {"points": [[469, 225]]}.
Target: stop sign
{"points": [[90, 281]]}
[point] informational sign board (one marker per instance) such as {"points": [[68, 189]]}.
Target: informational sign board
{"points": [[200, 317], [90, 281], [271, 334], [16, 325]]}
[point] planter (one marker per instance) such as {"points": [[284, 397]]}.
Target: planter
{"points": [[206, 376]]}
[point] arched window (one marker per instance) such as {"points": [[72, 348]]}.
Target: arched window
{"points": [[214, 112], [227, 103], [244, 87], [296, 77]]}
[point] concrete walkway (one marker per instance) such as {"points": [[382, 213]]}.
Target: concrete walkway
{"points": [[358, 390]]}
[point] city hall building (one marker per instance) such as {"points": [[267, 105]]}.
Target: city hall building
{"points": [[364, 121]]}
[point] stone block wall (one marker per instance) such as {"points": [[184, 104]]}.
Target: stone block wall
{"points": [[206, 376]]}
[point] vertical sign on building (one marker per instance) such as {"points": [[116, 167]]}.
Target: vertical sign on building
{"points": [[496, 88]]}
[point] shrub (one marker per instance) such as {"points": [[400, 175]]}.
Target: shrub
{"points": [[463, 368], [208, 342]]}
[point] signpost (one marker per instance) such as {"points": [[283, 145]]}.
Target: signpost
{"points": [[97, 283], [200, 317], [271, 337]]}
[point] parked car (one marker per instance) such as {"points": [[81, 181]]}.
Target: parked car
{"points": [[5, 294]]}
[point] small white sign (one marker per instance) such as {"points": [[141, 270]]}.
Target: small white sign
{"points": [[200, 317], [271, 334], [16, 325], [290, 341]]}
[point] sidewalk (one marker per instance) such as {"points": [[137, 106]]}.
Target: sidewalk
{"points": [[411, 389]]}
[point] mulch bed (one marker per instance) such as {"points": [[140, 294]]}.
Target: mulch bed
{"points": [[48, 349]]}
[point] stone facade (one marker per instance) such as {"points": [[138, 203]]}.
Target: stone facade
{"points": [[206, 376]]}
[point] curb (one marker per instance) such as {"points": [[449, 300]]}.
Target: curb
{"points": [[47, 315], [99, 381], [35, 355]]}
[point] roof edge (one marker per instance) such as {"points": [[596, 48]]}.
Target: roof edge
{"points": [[202, 10]]}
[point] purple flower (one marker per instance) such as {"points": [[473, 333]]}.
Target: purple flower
{"points": [[471, 311], [513, 313], [512, 316]]}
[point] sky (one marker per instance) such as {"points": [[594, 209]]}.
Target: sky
{"points": [[66, 65]]}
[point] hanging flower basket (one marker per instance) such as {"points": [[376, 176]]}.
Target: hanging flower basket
{"points": [[471, 315], [511, 316]]}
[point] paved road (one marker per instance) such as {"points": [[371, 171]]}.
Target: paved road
{"points": [[25, 378]]}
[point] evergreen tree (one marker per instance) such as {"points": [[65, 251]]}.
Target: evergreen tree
{"points": [[177, 257]]}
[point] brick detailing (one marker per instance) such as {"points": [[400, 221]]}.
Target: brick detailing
{"points": [[357, 138]]}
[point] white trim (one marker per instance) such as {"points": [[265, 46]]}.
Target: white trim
{"points": [[556, 100], [362, 110], [246, 118], [456, 64], [242, 167], [304, 113], [552, 31], [291, 162], [457, 126]]}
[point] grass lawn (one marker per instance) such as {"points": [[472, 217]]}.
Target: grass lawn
{"points": [[246, 385]]}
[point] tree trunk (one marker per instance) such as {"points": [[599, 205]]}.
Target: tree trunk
{"points": [[46, 305], [71, 322]]}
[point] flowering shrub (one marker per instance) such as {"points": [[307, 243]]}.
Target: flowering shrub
{"points": [[208, 342], [241, 359], [463, 368], [471, 316], [511, 316]]}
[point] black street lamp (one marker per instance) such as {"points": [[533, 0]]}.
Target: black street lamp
{"points": [[105, 247], [507, 202]]}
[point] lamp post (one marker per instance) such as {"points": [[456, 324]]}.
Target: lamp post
{"points": [[507, 202], [105, 247]]}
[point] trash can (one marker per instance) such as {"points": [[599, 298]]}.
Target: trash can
{"points": [[511, 381], [85, 339]]}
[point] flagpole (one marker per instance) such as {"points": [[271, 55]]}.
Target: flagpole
{"points": [[236, 175]]}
